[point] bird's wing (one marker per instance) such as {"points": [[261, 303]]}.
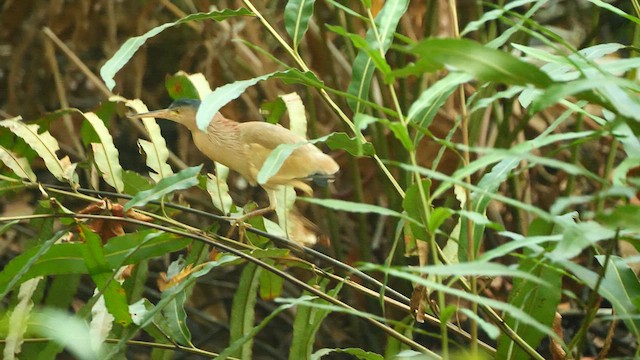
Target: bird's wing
{"points": [[267, 135]]}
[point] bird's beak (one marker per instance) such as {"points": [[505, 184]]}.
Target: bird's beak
{"points": [[162, 113]]}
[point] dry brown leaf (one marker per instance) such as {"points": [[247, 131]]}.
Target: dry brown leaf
{"points": [[557, 352]]}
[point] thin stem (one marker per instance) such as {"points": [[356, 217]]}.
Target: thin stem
{"points": [[225, 248], [323, 93], [464, 127], [594, 298]]}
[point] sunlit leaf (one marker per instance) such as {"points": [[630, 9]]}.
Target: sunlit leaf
{"points": [[218, 189], [275, 160], [45, 145], [19, 319], [156, 149], [105, 153], [76, 336], [355, 352], [20, 166], [131, 46], [296, 19]]}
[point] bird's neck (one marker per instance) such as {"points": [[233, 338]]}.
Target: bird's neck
{"points": [[219, 124]]}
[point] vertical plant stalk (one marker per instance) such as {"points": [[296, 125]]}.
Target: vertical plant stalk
{"points": [[594, 298], [323, 93], [426, 206], [464, 128], [62, 96]]}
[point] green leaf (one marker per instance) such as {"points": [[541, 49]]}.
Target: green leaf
{"points": [[612, 88], [174, 312], [213, 102], [273, 110], [18, 269], [46, 146], [355, 207], [236, 345], [482, 62], [243, 309], [134, 182], [612, 288], [352, 145], [156, 150], [270, 284], [296, 19], [180, 181], [480, 199], [308, 320], [577, 236], [615, 10], [103, 276], [356, 352], [413, 206], [76, 335], [179, 86], [522, 316], [539, 302], [493, 15], [379, 37], [131, 46], [425, 108], [105, 153], [67, 258], [20, 166], [275, 160], [623, 217], [361, 44]]}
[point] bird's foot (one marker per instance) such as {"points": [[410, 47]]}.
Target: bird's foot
{"points": [[240, 224]]}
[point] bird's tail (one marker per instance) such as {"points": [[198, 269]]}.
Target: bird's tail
{"points": [[322, 179]]}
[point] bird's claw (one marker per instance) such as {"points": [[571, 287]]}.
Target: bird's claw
{"points": [[240, 224]]}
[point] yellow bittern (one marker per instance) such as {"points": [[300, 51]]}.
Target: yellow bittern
{"points": [[244, 146]]}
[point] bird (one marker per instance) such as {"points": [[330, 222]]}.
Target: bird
{"points": [[244, 146]]}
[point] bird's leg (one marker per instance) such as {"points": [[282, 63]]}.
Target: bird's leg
{"points": [[258, 212], [240, 221]]}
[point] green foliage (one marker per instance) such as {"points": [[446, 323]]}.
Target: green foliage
{"points": [[504, 154]]}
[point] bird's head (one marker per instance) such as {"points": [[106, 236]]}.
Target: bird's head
{"points": [[182, 111]]}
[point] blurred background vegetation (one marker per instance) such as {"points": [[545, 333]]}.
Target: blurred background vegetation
{"points": [[44, 46]]}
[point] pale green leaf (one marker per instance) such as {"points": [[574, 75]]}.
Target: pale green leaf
{"points": [[19, 319], [218, 189], [105, 153], [275, 160], [156, 150], [355, 207], [20, 166], [131, 46], [46, 146]]}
